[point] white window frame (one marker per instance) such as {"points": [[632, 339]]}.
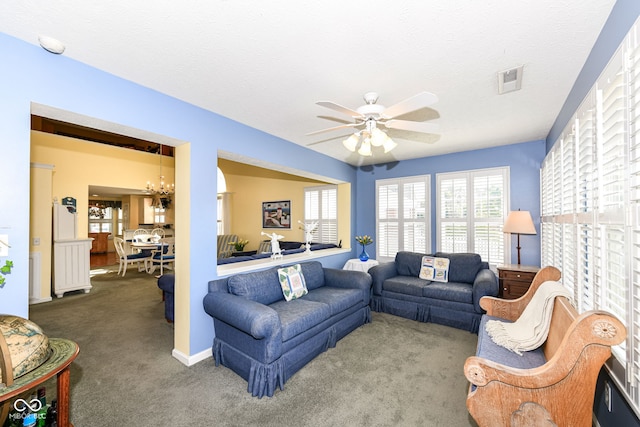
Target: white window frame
{"points": [[386, 250], [468, 217], [325, 212]]}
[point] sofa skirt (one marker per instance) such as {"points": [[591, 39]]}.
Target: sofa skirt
{"points": [[464, 320], [263, 378]]}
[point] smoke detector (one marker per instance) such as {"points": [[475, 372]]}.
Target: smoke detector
{"points": [[51, 45], [510, 80]]}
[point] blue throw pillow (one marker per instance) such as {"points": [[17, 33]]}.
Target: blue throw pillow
{"points": [[260, 286], [313, 274], [463, 268], [409, 263]]}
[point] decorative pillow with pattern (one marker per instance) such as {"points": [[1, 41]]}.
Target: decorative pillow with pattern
{"points": [[292, 282], [435, 269]]}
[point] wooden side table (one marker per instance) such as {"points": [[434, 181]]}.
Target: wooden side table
{"points": [[515, 279], [63, 353]]}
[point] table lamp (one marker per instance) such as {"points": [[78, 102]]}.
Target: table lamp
{"points": [[519, 222]]}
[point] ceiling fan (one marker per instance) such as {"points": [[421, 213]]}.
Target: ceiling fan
{"points": [[371, 115]]}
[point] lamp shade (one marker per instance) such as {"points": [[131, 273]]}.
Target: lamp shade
{"points": [[352, 142], [519, 222]]}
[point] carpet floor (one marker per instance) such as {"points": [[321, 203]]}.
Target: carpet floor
{"points": [[391, 372]]}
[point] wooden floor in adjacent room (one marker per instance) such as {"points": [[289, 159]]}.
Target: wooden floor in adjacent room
{"points": [[104, 259]]}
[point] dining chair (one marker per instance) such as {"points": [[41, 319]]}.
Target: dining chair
{"points": [[140, 231], [125, 258], [163, 256], [158, 232]]}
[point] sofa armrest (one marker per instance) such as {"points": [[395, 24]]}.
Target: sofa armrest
{"points": [[485, 284], [380, 273], [253, 318]]}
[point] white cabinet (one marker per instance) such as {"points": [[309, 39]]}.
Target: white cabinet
{"points": [[71, 266], [71, 256]]}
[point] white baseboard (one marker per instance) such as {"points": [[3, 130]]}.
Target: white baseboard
{"points": [[192, 360], [39, 300]]}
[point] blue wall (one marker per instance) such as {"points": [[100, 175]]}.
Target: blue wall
{"points": [[30, 74], [523, 159], [622, 17]]}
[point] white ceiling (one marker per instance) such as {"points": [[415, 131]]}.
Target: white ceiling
{"points": [[266, 63]]}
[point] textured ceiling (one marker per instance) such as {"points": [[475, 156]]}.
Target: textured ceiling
{"points": [[266, 63]]}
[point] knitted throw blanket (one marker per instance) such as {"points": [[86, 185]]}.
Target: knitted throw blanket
{"points": [[532, 327]]}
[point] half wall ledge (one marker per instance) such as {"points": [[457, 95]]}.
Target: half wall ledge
{"points": [[259, 264]]}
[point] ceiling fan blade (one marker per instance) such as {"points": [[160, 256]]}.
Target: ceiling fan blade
{"points": [[422, 127], [339, 108], [421, 100], [350, 125]]}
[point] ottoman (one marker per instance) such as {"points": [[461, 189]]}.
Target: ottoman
{"points": [[166, 282]]}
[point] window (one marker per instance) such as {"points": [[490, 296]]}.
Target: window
{"points": [[403, 216], [101, 219], [224, 213], [471, 209], [321, 204], [590, 184], [159, 215]]}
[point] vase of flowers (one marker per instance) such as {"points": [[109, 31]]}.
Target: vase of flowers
{"points": [[239, 245], [364, 241]]}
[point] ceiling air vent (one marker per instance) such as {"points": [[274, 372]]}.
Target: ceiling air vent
{"points": [[510, 80]]}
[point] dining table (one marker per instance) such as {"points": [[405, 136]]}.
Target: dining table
{"points": [[149, 248]]}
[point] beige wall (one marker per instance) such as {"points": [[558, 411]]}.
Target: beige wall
{"points": [[40, 230], [78, 164], [73, 166], [249, 186]]}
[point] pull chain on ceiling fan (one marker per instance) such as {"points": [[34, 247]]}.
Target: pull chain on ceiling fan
{"points": [[371, 115]]}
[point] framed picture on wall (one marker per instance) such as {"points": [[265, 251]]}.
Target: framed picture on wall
{"points": [[276, 214]]}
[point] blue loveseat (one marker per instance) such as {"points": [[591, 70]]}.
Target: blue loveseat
{"points": [[266, 339], [398, 290]]}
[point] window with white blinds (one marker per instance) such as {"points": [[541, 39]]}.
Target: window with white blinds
{"points": [[590, 195], [403, 216], [472, 207], [321, 204]]}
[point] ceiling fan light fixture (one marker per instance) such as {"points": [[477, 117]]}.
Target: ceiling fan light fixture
{"points": [[389, 144], [351, 143], [378, 137], [365, 148]]}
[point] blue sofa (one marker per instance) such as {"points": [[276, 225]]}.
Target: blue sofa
{"points": [[398, 290], [266, 339]]}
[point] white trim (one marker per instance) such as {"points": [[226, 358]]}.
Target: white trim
{"points": [[193, 359], [42, 166]]}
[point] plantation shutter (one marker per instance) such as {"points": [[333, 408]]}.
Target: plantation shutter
{"points": [[403, 216], [321, 205], [488, 193], [453, 214], [610, 122], [471, 212], [590, 188], [634, 201]]}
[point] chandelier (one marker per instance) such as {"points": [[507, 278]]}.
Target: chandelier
{"points": [[162, 191], [369, 137]]}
